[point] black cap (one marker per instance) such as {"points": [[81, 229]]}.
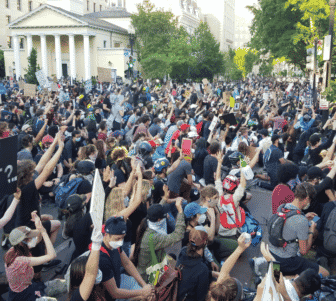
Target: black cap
{"points": [[116, 225], [155, 212], [85, 166], [314, 139], [75, 202], [314, 173]]}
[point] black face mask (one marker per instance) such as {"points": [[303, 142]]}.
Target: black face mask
{"points": [[30, 132]]}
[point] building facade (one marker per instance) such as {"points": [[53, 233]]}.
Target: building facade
{"points": [[187, 11], [214, 25], [14, 9], [68, 44], [242, 32], [224, 12]]}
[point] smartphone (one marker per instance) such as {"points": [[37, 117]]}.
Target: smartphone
{"points": [[276, 270], [315, 219]]}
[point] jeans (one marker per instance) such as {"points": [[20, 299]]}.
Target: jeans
{"points": [[274, 182], [128, 283]]}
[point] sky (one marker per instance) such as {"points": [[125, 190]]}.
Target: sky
{"points": [[242, 11]]}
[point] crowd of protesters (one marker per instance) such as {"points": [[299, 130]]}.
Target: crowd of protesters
{"points": [[247, 135]]}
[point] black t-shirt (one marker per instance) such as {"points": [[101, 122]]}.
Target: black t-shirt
{"points": [[107, 103], [92, 135], [209, 168], [29, 202], [82, 234], [76, 296], [110, 264], [84, 187], [198, 161]]}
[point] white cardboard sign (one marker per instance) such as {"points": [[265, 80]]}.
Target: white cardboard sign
{"points": [[97, 201]]}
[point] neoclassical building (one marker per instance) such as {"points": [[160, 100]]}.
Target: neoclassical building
{"points": [[70, 44]]}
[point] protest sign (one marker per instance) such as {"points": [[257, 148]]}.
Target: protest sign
{"points": [[236, 106], [42, 79], [88, 86], [8, 165], [29, 90], [104, 75], [186, 146], [230, 119], [213, 123], [270, 292], [2, 89], [232, 102], [21, 84], [324, 105], [279, 123], [97, 201], [265, 96], [54, 87]]}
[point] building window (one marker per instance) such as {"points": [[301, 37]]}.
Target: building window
{"points": [[87, 5], [101, 7], [105, 44], [30, 5], [117, 45], [7, 3], [21, 43], [8, 19], [94, 7], [119, 3], [18, 4], [9, 42]]}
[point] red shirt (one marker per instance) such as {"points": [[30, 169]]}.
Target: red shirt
{"points": [[19, 274]]}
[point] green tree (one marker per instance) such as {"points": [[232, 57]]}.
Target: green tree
{"points": [[2, 64], [250, 60], [266, 67], [209, 59], [232, 72], [32, 68]]}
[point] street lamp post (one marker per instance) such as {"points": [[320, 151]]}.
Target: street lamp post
{"points": [[131, 32], [331, 33]]}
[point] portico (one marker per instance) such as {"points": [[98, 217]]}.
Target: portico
{"points": [[65, 43]]}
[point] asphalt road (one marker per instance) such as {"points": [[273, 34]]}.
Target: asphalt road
{"points": [[259, 206]]}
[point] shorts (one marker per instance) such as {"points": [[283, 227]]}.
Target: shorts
{"points": [[295, 265]]}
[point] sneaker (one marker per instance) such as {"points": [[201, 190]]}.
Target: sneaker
{"points": [[254, 266], [51, 264], [64, 235]]}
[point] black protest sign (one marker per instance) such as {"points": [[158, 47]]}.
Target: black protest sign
{"points": [[230, 119], [8, 165]]}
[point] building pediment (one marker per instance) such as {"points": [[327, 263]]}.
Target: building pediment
{"points": [[48, 16]]}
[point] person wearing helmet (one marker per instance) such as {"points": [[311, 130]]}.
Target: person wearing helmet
{"points": [[144, 154]]}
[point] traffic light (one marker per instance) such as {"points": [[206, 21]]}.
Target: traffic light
{"points": [[310, 59]]}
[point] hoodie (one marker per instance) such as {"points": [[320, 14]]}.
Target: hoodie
{"points": [[195, 281]]}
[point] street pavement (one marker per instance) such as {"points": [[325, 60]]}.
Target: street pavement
{"points": [[259, 206]]}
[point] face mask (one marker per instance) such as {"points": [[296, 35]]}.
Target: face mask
{"points": [[93, 158], [32, 243], [149, 194], [116, 244], [280, 140], [78, 139], [99, 277], [159, 227], [201, 219], [307, 206]]}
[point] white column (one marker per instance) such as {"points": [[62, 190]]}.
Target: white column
{"points": [[29, 43], [44, 54], [72, 54], [17, 56], [58, 56], [87, 57]]}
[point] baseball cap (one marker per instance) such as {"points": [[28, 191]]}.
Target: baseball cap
{"points": [[197, 237], [115, 225], [192, 209], [314, 173], [19, 234], [25, 127], [314, 139], [75, 202], [185, 126], [85, 166], [155, 212], [47, 139]]}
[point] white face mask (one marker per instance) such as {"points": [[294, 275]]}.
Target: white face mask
{"points": [[307, 206], [201, 219], [280, 140], [116, 244], [32, 243], [99, 277], [159, 227], [93, 158]]}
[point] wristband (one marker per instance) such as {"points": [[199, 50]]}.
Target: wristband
{"points": [[95, 246], [310, 233]]}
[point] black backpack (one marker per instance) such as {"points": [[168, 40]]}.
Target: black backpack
{"points": [[329, 234], [276, 224]]}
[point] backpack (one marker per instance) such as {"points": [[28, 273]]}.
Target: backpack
{"points": [[65, 189], [268, 153], [252, 226], [276, 224], [329, 234]]}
